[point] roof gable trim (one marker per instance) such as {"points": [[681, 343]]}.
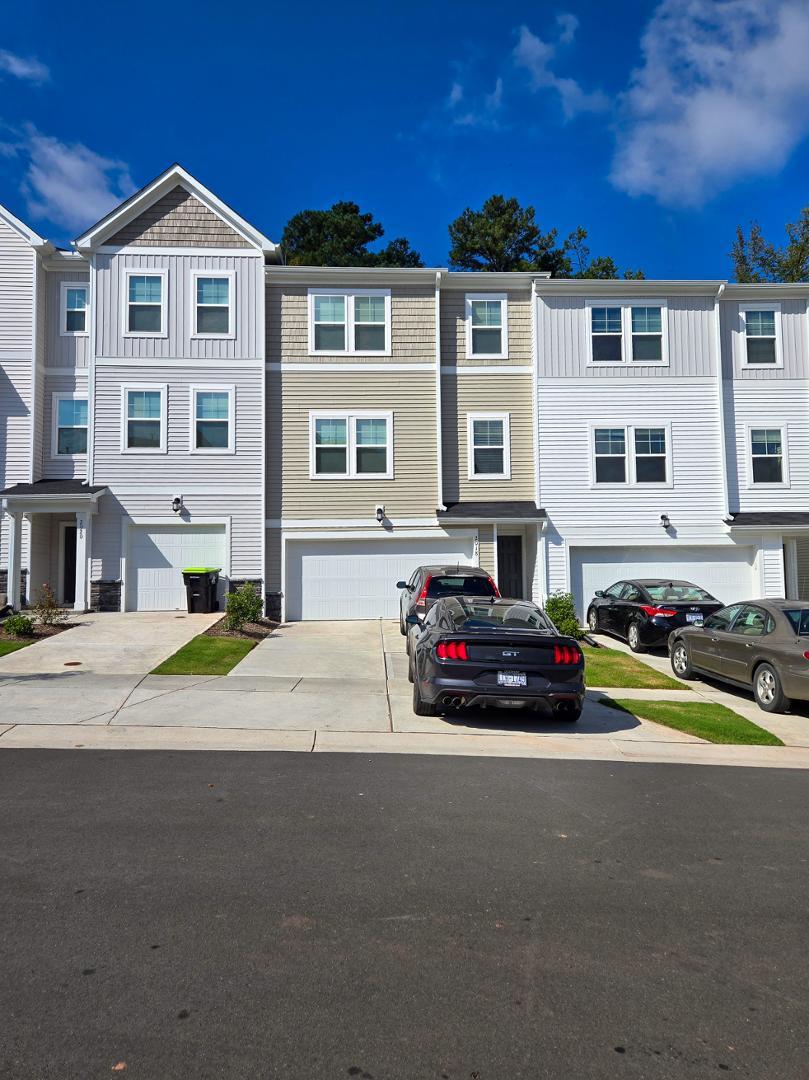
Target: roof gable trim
{"points": [[30, 237]]}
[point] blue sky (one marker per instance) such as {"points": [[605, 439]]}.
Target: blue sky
{"points": [[657, 126]]}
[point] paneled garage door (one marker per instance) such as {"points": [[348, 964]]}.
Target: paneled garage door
{"points": [[726, 572], [157, 555], [356, 579]]}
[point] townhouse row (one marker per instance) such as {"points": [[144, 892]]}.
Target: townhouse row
{"points": [[172, 395]]}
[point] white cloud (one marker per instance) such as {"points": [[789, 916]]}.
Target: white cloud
{"points": [[455, 96], [720, 96], [535, 56], [67, 183], [485, 113], [23, 67]]}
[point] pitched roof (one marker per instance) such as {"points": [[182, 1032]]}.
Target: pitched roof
{"points": [[28, 234], [506, 510]]}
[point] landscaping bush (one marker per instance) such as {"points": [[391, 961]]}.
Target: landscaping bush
{"points": [[19, 626], [46, 610], [562, 612], [243, 606]]}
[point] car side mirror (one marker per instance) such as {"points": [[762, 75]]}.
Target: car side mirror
{"points": [[401, 584], [413, 620], [599, 593]]}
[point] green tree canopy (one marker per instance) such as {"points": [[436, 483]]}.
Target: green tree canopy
{"points": [[340, 237], [755, 259]]}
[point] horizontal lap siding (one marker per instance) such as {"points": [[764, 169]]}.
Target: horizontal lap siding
{"points": [[15, 420], [411, 398], [794, 340], [69, 351], [111, 307], [453, 327], [178, 219], [16, 292], [38, 411], [59, 468], [464, 394], [486, 548]]}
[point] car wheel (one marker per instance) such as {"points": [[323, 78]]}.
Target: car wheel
{"points": [[592, 620], [420, 706], [768, 691], [633, 638], [569, 715], [681, 661]]}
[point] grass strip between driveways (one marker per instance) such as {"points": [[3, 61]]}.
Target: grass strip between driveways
{"points": [[705, 719], [206, 655], [12, 646], [609, 667]]}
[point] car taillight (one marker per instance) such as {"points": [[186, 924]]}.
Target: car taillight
{"points": [[566, 654], [806, 656], [652, 611], [451, 650], [421, 603], [490, 579]]}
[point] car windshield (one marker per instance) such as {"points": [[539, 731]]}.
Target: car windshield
{"points": [[799, 620], [674, 592], [467, 614], [455, 585]]}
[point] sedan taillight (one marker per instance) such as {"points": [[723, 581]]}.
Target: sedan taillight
{"points": [[451, 650], [652, 611], [566, 654]]}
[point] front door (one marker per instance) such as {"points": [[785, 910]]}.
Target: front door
{"points": [[69, 565], [509, 567]]}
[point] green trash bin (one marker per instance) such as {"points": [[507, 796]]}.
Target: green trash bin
{"points": [[200, 589]]}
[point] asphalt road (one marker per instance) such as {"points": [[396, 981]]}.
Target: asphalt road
{"points": [[213, 915]]}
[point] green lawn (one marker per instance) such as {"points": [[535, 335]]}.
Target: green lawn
{"points": [[705, 719], [12, 646], [608, 668], [205, 655]]}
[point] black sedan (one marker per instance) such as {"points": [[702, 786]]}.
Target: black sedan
{"points": [[479, 651], [644, 612]]}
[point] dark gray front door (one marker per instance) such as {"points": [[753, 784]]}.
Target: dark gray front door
{"points": [[509, 566], [69, 565]]}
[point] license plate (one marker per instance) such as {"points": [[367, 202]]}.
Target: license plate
{"points": [[511, 678], [697, 620]]}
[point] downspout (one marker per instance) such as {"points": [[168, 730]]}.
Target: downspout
{"points": [[262, 352], [721, 402], [91, 376], [439, 445], [33, 418]]}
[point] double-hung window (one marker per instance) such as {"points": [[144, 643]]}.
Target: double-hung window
{"points": [[145, 304], [351, 445], [73, 318], [212, 419], [761, 327], [144, 419], [355, 322], [487, 325], [767, 456], [610, 455], [647, 334], [488, 446], [213, 299], [631, 455], [607, 337], [622, 332], [650, 455], [69, 435]]}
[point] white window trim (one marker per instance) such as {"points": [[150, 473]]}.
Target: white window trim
{"points": [[145, 272], [779, 351], [503, 299], [627, 359], [219, 389], [55, 399], [470, 447], [231, 278], [760, 425], [349, 295], [350, 416], [63, 330], [631, 468], [125, 390]]}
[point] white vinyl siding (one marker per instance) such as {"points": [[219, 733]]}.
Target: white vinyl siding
{"points": [[353, 322]]}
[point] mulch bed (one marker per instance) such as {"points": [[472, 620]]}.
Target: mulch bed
{"points": [[252, 631], [40, 632]]}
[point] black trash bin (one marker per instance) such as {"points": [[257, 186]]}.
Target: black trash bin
{"points": [[200, 589]]}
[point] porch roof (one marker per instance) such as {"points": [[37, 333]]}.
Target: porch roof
{"points": [[497, 510], [770, 519], [44, 492]]}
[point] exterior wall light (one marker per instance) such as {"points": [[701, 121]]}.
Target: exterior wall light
{"points": [[380, 514], [177, 504], [665, 521]]}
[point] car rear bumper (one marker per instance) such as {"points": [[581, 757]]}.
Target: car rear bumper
{"points": [[462, 693]]}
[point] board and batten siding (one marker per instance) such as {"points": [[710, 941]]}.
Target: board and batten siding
{"points": [[412, 325], [563, 345], [68, 350], [794, 343], [178, 219], [16, 293], [111, 298], [453, 327], [464, 394], [60, 382], [178, 465], [410, 397]]}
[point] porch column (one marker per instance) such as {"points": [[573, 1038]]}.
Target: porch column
{"points": [[83, 528], [14, 551]]}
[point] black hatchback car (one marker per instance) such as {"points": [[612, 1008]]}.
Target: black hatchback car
{"points": [[429, 583], [480, 651], [644, 612]]}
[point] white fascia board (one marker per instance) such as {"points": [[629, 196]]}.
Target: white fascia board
{"points": [[590, 287], [28, 234], [351, 275]]}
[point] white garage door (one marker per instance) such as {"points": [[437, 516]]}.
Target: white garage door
{"points": [[157, 555], [727, 573], [356, 579]]}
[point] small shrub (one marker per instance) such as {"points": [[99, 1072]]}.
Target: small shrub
{"points": [[562, 612], [243, 606], [46, 610], [19, 626]]}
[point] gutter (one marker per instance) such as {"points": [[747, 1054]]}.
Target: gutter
{"points": [[439, 441]]}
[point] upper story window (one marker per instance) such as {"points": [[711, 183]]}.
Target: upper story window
{"points": [[610, 455], [212, 428], [350, 321], [628, 333], [69, 434], [647, 463], [761, 326], [351, 445], [487, 325], [607, 335], [73, 317], [145, 304], [647, 334], [767, 456], [650, 455], [489, 450], [144, 419], [213, 300]]}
